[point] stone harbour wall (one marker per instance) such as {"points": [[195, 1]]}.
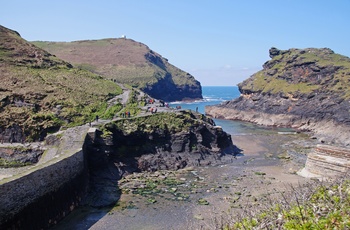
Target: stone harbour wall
{"points": [[44, 194]]}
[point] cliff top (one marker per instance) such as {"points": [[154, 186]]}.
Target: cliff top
{"points": [[302, 71]]}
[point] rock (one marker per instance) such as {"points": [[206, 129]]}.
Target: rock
{"points": [[274, 52], [18, 156], [151, 200], [303, 89], [198, 217], [327, 161], [184, 140], [203, 201]]}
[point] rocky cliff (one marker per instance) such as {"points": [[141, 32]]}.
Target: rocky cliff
{"points": [[39, 93], [162, 141], [308, 89], [129, 62]]}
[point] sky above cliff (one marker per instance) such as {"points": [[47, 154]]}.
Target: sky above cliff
{"points": [[218, 42]]}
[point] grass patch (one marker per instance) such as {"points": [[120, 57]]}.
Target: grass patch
{"points": [[170, 122], [12, 164]]}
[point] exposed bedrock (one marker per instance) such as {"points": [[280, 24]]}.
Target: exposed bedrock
{"points": [[127, 146], [327, 161], [324, 127]]}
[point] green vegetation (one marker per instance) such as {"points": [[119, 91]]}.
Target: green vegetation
{"points": [[326, 207], [12, 164], [133, 63], [153, 187], [203, 201], [172, 122], [77, 96], [297, 71], [274, 85], [133, 104], [111, 111], [41, 93]]}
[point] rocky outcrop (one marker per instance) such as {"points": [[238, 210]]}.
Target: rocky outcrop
{"points": [[164, 141], [16, 156], [305, 89], [165, 89], [129, 62], [327, 161]]}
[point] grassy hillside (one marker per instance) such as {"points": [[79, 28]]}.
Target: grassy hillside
{"points": [[125, 61], [40, 93], [302, 71]]}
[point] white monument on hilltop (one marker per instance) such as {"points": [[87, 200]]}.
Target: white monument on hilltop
{"points": [[123, 36]]}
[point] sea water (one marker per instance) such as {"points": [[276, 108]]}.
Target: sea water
{"points": [[213, 95]]}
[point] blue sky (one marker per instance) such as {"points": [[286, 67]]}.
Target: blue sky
{"points": [[218, 42]]}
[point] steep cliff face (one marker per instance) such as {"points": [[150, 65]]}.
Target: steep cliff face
{"points": [[168, 141], [303, 88], [39, 92], [129, 62]]}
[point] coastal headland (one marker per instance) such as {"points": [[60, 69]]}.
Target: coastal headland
{"points": [[307, 89]]}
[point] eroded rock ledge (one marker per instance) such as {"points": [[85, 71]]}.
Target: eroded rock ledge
{"points": [[327, 161]]}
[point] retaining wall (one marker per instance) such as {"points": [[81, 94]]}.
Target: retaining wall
{"points": [[44, 194]]}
